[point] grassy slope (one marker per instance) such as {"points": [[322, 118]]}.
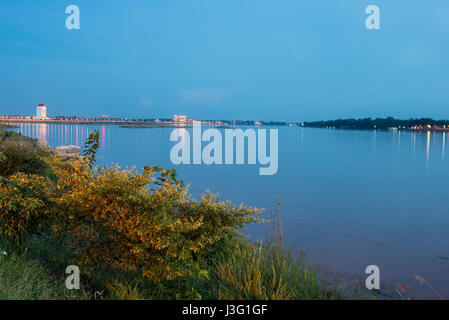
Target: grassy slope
{"points": [[251, 272], [25, 279]]}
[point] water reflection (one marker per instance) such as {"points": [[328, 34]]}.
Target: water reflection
{"points": [[443, 145], [74, 134], [60, 134], [427, 150], [103, 136]]}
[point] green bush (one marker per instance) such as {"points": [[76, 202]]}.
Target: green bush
{"points": [[145, 222], [19, 154], [24, 205]]}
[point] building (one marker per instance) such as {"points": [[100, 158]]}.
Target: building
{"points": [[68, 151], [41, 113], [179, 118]]}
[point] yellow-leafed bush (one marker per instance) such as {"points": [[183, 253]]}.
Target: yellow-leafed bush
{"points": [[24, 205], [143, 221]]}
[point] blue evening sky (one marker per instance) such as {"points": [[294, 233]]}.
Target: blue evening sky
{"points": [[287, 60]]}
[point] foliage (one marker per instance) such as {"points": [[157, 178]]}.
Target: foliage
{"points": [[7, 126], [25, 279], [124, 291], [145, 222], [91, 146], [19, 154], [258, 273], [378, 123], [269, 271], [24, 205], [113, 218]]}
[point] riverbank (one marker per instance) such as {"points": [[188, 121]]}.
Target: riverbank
{"points": [[7, 126]]}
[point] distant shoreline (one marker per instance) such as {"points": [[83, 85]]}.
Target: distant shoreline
{"points": [[387, 124], [151, 122]]}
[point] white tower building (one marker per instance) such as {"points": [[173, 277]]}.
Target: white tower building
{"points": [[41, 113]]}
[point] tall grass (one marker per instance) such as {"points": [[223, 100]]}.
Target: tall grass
{"points": [[25, 279], [266, 273], [270, 271], [124, 291]]}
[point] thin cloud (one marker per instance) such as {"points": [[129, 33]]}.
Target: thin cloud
{"points": [[145, 102], [204, 96]]}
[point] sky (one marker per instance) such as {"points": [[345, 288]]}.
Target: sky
{"points": [[284, 60]]}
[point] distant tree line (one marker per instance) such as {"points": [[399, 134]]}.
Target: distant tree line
{"points": [[378, 123]]}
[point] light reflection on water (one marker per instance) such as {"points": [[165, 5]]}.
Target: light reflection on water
{"points": [[351, 198], [60, 134]]}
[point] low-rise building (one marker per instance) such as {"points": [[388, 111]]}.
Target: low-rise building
{"points": [[68, 151], [179, 118]]}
